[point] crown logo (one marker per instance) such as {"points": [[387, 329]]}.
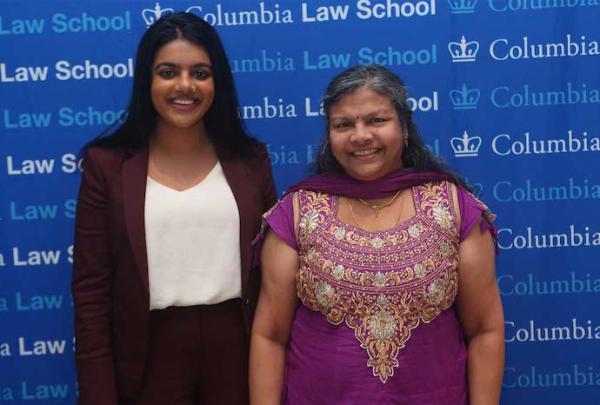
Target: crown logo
{"points": [[464, 99], [466, 146], [463, 51], [152, 14], [462, 6]]}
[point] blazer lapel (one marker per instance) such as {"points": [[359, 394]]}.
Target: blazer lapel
{"points": [[134, 175], [243, 190]]}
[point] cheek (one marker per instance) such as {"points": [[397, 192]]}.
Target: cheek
{"points": [[395, 138], [209, 91], [337, 145], [155, 93], [154, 99]]}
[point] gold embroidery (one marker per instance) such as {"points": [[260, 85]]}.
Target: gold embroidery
{"points": [[442, 217], [420, 270], [340, 233], [309, 221], [434, 206], [414, 231], [381, 285], [339, 272], [377, 242]]}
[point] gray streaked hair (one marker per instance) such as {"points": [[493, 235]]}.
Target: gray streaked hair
{"points": [[415, 155], [373, 77]]}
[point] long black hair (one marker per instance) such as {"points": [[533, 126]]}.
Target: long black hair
{"points": [[416, 155], [224, 127]]}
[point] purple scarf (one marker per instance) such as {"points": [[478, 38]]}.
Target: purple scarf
{"points": [[346, 186]]}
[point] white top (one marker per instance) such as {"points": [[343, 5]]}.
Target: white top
{"points": [[193, 243]]}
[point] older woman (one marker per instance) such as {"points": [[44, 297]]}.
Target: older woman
{"points": [[378, 273]]}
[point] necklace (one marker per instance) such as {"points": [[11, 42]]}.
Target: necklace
{"points": [[352, 215], [379, 207], [356, 219]]}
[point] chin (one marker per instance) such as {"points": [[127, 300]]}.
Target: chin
{"points": [[183, 124], [366, 177], [370, 175]]}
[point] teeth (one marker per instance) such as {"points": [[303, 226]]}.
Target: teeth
{"points": [[365, 152], [183, 102]]}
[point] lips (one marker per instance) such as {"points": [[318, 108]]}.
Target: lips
{"points": [[365, 153], [183, 103]]}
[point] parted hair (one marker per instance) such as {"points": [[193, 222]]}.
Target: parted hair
{"points": [[416, 155], [224, 126]]}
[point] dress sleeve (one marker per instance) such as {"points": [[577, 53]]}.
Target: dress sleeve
{"points": [[471, 209], [280, 219]]}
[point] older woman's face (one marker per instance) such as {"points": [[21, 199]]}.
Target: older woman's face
{"points": [[366, 135]]}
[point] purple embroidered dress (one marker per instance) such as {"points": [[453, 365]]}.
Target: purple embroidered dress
{"points": [[377, 324]]}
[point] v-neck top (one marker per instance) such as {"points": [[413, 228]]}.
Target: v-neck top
{"points": [[192, 242]]}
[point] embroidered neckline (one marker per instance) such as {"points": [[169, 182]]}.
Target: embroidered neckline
{"points": [[335, 205], [399, 285]]}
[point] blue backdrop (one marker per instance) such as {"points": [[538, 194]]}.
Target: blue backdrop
{"points": [[507, 91]]}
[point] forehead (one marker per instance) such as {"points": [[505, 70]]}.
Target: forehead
{"points": [[181, 51], [360, 102]]}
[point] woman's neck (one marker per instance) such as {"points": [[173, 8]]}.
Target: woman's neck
{"points": [[180, 141], [180, 158]]}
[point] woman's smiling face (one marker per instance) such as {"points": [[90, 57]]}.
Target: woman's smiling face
{"points": [[182, 84], [366, 135]]}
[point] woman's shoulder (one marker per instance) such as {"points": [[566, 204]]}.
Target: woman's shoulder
{"points": [[104, 159], [304, 195], [437, 189], [449, 188], [259, 154], [255, 157], [100, 152], [260, 150], [298, 202]]}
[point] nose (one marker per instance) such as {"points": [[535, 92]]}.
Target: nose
{"points": [[184, 83], [361, 134]]}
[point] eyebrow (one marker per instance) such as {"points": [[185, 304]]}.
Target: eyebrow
{"points": [[369, 114], [171, 64]]}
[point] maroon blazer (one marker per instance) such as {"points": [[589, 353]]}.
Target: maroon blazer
{"points": [[110, 268]]}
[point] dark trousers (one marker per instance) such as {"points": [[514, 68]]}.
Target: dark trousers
{"points": [[197, 355]]}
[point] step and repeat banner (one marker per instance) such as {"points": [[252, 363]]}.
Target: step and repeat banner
{"points": [[506, 91]]}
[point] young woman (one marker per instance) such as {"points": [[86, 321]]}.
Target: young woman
{"points": [[168, 206], [378, 273]]}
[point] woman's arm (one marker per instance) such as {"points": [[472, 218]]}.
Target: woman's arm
{"points": [[92, 288], [270, 333], [480, 312]]}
